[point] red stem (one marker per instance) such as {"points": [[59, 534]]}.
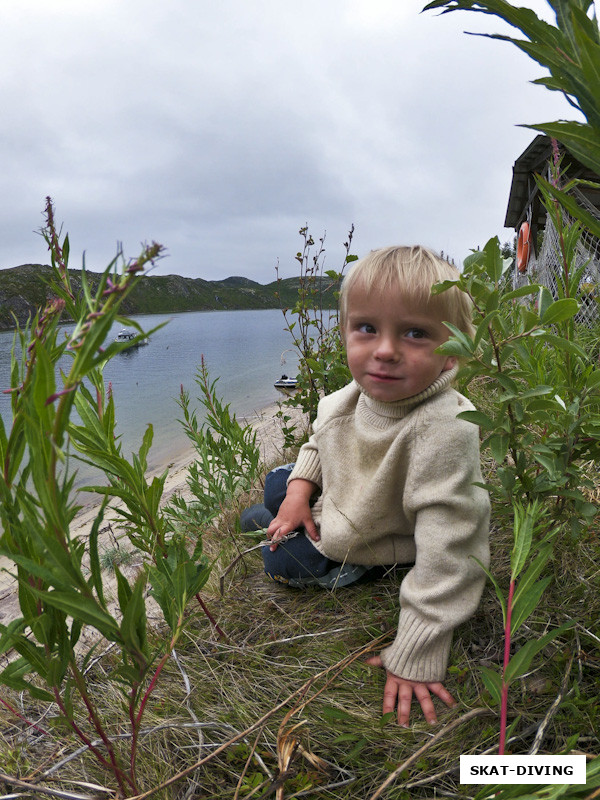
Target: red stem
{"points": [[87, 742], [137, 721], [21, 717], [212, 620], [150, 688], [117, 771]]}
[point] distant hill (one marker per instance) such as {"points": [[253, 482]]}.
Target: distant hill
{"points": [[24, 289]]}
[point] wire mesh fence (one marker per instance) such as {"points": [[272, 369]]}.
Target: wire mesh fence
{"points": [[546, 267]]}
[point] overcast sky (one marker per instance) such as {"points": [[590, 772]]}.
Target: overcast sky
{"points": [[220, 127]]}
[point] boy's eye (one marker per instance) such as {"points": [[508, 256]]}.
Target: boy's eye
{"points": [[365, 327], [416, 333]]}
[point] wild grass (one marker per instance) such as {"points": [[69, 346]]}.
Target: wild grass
{"points": [[285, 706]]}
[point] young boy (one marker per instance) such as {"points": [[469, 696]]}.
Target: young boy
{"points": [[388, 475]]}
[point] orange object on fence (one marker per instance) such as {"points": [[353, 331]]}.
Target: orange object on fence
{"points": [[523, 247]]}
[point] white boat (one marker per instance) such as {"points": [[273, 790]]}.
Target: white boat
{"points": [[286, 385], [126, 335]]}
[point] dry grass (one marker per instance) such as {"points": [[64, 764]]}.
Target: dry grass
{"points": [[285, 706]]}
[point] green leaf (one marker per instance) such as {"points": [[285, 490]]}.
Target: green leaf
{"points": [[162, 592], [593, 379], [34, 568], [544, 301], [133, 624], [66, 248], [524, 520], [527, 603], [332, 713], [459, 336], [522, 291], [494, 262], [478, 418], [566, 345], [521, 661], [532, 573], [123, 589], [13, 678], [581, 141], [35, 656], [483, 326], [82, 608], [507, 383], [550, 464], [443, 286], [452, 347], [94, 557], [560, 311], [493, 683], [537, 391], [498, 444]]}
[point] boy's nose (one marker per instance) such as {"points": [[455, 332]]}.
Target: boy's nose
{"points": [[387, 349]]}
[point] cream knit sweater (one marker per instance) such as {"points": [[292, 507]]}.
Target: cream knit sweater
{"points": [[397, 487]]}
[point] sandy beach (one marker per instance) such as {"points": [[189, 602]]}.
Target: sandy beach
{"points": [[269, 436]]}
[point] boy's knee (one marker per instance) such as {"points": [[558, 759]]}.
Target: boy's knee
{"points": [[276, 487], [255, 518]]}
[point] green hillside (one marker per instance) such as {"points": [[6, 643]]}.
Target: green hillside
{"points": [[24, 289]]}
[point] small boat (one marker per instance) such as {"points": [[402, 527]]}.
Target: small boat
{"points": [[286, 385], [125, 336]]}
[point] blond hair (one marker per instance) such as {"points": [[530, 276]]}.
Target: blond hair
{"points": [[412, 271]]}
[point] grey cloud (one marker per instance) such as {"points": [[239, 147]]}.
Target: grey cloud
{"points": [[220, 129]]}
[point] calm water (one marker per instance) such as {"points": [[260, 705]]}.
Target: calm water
{"points": [[243, 349]]}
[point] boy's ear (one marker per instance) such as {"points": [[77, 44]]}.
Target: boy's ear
{"points": [[450, 363]]}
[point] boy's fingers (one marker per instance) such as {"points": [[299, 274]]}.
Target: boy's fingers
{"points": [[276, 536], [398, 694], [392, 697], [405, 693], [441, 691], [424, 698], [279, 530], [312, 531]]}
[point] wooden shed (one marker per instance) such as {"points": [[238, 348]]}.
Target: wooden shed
{"points": [[525, 202], [525, 205]]}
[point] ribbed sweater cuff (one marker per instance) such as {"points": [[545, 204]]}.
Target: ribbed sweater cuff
{"points": [[308, 467], [419, 652]]}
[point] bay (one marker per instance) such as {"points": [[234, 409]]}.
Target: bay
{"points": [[246, 350]]}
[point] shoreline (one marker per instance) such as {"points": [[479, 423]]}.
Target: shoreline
{"points": [[269, 438]]}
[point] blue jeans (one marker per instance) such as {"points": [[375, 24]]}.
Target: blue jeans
{"points": [[295, 562]]}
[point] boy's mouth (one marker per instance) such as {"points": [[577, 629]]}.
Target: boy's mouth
{"points": [[377, 376]]}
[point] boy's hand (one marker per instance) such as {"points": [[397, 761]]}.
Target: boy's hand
{"points": [[294, 512], [398, 694]]}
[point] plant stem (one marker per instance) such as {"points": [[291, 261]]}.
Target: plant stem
{"points": [[211, 619], [21, 717], [504, 697], [85, 739], [115, 767]]}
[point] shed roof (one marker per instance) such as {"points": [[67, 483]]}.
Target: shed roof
{"points": [[523, 189], [533, 159]]}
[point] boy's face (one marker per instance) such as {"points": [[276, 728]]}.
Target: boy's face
{"points": [[390, 344]]}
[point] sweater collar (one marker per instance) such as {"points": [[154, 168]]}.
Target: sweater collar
{"points": [[400, 408]]}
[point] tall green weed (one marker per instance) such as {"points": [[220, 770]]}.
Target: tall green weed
{"points": [[313, 326], [541, 424], [60, 584], [228, 458], [542, 421]]}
